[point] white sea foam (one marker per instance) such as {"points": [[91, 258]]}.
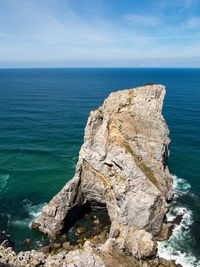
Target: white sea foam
{"points": [[171, 249], [174, 211], [33, 211], [3, 181], [180, 186], [21, 223]]}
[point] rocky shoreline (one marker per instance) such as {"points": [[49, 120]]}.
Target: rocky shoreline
{"points": [[55, 253], [122, 170], [90, 252]]}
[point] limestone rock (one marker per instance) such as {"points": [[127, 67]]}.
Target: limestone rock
{"points": [[106, 255], [166, 232], [81, 230], [66, 245], [122, 168], [82, 258]]}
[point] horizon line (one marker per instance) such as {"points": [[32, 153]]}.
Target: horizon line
{"points": [[160, 67]]}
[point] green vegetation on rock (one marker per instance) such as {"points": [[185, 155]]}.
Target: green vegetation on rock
{"points": [[146, 170]]}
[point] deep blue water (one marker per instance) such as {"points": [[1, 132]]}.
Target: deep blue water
{"points": [[43, 113]]}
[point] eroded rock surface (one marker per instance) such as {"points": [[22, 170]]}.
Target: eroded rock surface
{"points": [[89, 255], [122, 167]]}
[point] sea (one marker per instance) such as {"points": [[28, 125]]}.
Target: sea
{"points": [[43, 113]]}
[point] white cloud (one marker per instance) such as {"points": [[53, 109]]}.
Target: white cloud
{"points": [[191, 23], [61, 36], [143, 20]]}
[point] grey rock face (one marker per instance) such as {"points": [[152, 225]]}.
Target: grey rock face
{"points": [[76, 258], [89, 255], [122, 167]]}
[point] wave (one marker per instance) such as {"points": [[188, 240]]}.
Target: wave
{"points": [[171, 248], [3, 181], [33, 212], [180, 186]]}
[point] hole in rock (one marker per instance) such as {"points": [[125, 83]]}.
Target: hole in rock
{"points": [[84, 223], [74, 215]]}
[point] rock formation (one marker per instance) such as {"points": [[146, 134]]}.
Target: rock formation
{"points": [[89, 255], [122, 168]]}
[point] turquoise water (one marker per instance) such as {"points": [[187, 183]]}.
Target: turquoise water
{"points": [[43, 113]]}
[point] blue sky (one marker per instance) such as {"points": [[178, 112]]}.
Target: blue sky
{"points": [[99, 33]]}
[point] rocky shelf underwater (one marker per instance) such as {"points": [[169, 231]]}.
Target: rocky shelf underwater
{"points": [[113, 212]]}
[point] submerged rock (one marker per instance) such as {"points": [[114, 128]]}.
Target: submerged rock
{"points": [[28, 242], [122, 168], [81, 230]]}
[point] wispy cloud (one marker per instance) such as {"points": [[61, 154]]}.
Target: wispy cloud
{"points": [[191, 23], [179, 5], [143, 20], [63, 33]]}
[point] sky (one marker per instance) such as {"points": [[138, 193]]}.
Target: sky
{"points": [[99, 33]]}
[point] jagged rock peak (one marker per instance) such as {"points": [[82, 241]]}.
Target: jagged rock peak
{"points": [[122, 168]]}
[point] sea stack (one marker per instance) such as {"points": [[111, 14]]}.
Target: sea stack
{"points": [[122, 168]]}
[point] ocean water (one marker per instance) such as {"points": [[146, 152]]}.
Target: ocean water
{"points": [[43, 113]]}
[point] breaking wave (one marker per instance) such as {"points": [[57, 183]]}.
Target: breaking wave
{"points": [[32, 210], [171, 248], [180, 186]]}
